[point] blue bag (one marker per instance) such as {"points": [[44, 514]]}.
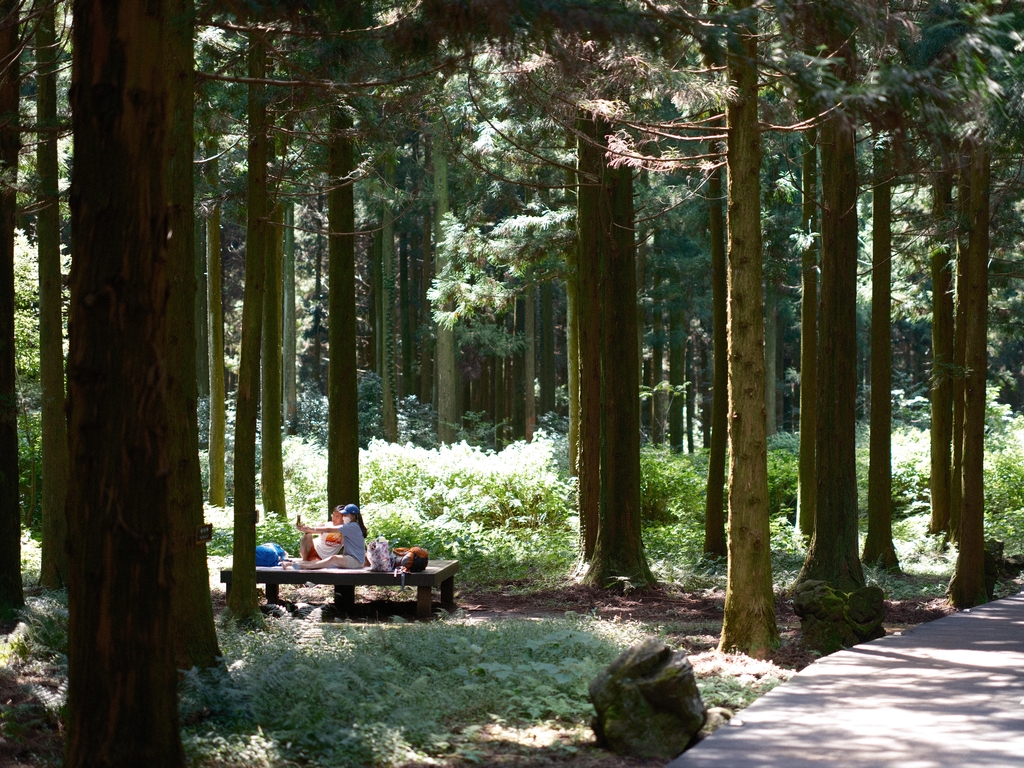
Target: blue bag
{"points": [[268, 555]]}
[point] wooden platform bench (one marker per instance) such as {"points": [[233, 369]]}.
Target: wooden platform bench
{"points": [[439, 573]]}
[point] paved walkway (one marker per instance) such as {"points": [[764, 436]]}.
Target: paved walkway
{"points": [[949, 693]]}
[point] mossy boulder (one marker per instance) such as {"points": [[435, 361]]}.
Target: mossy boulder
{"points": [[647, 702], [831, 620]]}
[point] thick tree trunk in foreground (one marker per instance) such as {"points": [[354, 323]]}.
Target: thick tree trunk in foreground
{"points": [[122, 683], [807, 486], [448, 378], [749, 621], [967, 587], [878, 546], [961, 304], [618, 551], [714, 506], [343, 430], [942, 356], [53, 565], [11, 594], [833, 555], [218, 415], [242, 602], [195, 639], [590, 240]]}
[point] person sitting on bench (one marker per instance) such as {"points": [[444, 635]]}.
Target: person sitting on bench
{"points": [[339, 545]]}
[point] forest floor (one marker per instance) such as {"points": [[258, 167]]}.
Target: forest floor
{"points": [[30, 726]]}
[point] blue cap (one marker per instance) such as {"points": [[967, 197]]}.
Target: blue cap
{"points": [[351, 509]]}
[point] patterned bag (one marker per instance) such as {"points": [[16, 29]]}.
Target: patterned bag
{"points": [[379, 554]]}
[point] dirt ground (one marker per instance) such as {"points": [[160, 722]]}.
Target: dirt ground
{"points": [[31, 737]]}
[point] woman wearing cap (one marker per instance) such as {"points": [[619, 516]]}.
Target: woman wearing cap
{"points": [[339, 545]]}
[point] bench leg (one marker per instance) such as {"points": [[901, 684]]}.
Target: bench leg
{"points": [[271, 592], [448, 591], [344, 597], [423, 604]]}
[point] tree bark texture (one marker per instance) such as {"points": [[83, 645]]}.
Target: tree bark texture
{"points": [[676, 374], [218, 415], [961, 304], [807, 486], [242, 602], [271, 459], [714, 507], [343, 428], [749, 621], [201, 314], [942, 258], [53, 560], [833, 555], [389, 373], [448, 378], [11, 594], [529, 359], [547, 348], [967, 587], [195, 639], [771, 343], [590, 240], [878, 545], [618, 550], [427, 322], [288, 329], [659, 400], [122, 684]]}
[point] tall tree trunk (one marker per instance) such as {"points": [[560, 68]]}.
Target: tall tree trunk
{"points": [[618, 550], [771, 340], [53, 560], [242, 601], [749, 621], [833, 555], [691, 388], [201, 317], [714, 506], [807, 486], [499, 403], [878, 545], [318, 310], [942, 355], [572, 346], [122, 683], [426, 321], [676, 374], [343, 428], [389, 372], [658, 398], [448, 379], [195, 639], [967, 587], [290, 404], [547, 348], [961, 297], [11, 594], [590, 240], [529, 359], [377, 301], [405, 310], [271, 460], [218, 415]]}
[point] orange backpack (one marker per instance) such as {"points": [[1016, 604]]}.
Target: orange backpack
{"points": [[410, 559]]}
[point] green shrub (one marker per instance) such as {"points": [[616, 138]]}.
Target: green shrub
{"points": [[518, 487], [672, 485]]}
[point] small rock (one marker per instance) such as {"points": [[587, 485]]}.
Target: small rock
{"points": [[647, 702]]}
